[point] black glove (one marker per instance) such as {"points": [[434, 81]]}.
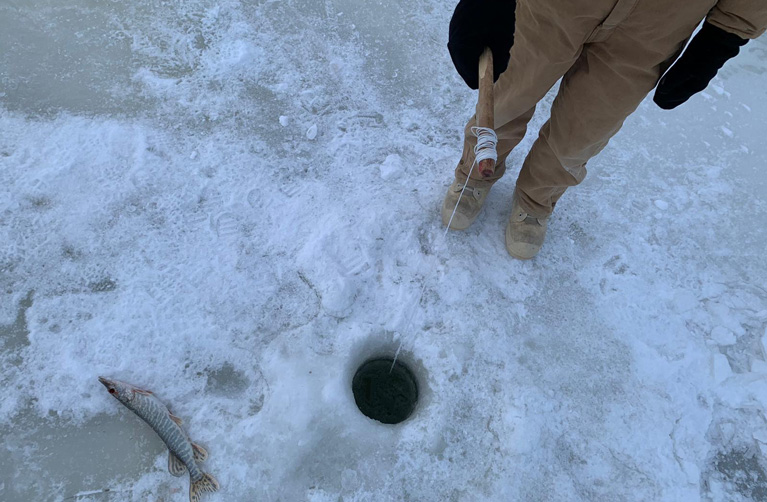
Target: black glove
{"points": [[707, 52], [477, 24]]}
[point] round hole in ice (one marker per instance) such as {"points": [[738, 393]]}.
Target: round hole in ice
{"points": [[385, 393]]}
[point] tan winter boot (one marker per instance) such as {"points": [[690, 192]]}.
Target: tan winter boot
{"points": [[469, 207], [524, 233]]}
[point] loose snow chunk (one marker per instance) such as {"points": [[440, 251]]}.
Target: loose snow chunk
{"points": [[761, 436], [727, 132], [284, 121], [661, 204], [311, 133], [391, 167], [723, 336], [720, 368]]}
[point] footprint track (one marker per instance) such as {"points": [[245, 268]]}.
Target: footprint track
{"points": [[228, 227]]}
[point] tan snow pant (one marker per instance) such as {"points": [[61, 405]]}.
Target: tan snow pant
{"points": [[609, 54]]}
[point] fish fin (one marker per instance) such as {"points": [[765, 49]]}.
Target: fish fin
{"points": [[175, 465], [200, 453], [143, 392], [206, 483], [178, 421]]}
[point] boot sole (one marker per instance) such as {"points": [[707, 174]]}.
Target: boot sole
{"points": [[519, 257], [512, 253], [456, 219]]}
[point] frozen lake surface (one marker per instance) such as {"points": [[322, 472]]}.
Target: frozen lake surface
{"points": [[235, 203]]}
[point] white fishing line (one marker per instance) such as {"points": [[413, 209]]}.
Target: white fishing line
{"points": [[487, 141], [485, 148]]}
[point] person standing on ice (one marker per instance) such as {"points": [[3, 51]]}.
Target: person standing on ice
{"points": [[610, 54]]}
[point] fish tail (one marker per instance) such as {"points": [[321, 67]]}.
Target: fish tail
{"points": [[207, 483]]}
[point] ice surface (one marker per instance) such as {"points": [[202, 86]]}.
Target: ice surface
{"points": [[763, 344], [166, 219]]}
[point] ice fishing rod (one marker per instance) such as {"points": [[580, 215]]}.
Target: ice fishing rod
{"points": [[487, 153]]}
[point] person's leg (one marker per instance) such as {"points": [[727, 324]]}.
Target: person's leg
{"points": [[618, 67], [548, 39]]}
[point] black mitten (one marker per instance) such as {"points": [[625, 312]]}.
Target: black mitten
{"points": [[707, 52], [477, 24]]}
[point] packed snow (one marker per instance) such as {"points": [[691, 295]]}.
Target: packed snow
{"points": [[236, 203]]}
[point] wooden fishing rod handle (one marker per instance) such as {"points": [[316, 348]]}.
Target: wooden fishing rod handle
{"points": [[485, 105]]}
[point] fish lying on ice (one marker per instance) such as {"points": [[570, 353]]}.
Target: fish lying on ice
{"points": [[183, 454]]}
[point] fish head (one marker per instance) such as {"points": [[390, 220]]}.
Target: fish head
{"points": [[122, 391]]}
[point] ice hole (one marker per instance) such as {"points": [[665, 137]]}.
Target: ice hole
{"points": [[384, 392]]}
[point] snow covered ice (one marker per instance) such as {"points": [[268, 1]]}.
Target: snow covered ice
{"points": [[235, 203]]}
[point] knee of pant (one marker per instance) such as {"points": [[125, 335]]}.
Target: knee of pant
{"points": [[568, 170], [575, 147]]}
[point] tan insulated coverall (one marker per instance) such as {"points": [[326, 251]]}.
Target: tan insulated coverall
{"points": [[610, 55]]}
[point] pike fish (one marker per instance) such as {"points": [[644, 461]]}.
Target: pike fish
{"points": [[183, 454]]}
